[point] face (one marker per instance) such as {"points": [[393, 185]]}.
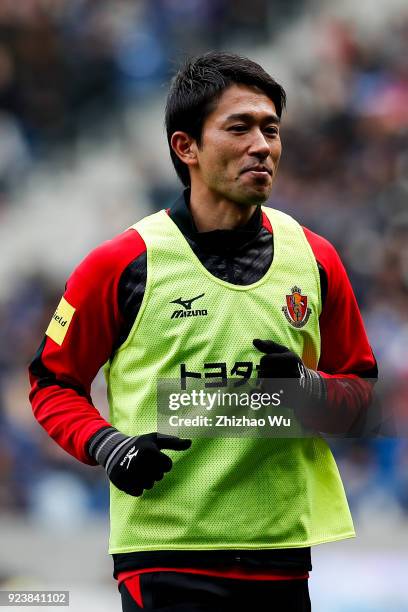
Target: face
{"points": [[240, 147]]}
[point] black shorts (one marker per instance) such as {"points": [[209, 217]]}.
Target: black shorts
{"points": [[182, 592]]}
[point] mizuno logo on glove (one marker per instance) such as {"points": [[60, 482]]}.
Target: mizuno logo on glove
{"points": [[130, 455]]}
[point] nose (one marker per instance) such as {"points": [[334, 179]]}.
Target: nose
{"points": [[259, 146]]}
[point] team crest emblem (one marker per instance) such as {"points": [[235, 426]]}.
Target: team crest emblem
{"points": [[296, 310]]}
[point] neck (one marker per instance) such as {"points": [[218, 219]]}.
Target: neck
{"points": [[212, 213]]}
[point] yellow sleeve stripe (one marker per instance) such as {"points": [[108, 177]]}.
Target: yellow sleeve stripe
{"points": [[60, 322]]}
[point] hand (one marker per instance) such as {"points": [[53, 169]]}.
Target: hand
{"points": [[278, 361], [329, 405], [134, 464], [281, 362]]}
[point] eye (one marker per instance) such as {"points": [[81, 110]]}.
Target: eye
{"points": [[271, 130], [239, 127]]}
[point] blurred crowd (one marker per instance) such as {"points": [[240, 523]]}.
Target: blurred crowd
{"points": [[63, 63], [69, 66]]}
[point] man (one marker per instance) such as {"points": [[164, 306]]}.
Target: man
{"points": [[226, 523]]}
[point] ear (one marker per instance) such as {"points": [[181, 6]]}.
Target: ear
{"points": [[185, 147]]}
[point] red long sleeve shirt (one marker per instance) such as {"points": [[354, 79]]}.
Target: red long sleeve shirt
{"points": [[61, 375], [106, 291]]}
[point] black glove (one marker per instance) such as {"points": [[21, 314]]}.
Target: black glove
{"points": [[330, 405], [280, 362], [134, 464]]}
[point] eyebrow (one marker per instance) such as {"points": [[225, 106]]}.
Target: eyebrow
{"points": [[249, 117]]}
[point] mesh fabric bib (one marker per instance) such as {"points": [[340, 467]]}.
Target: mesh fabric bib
{"points": [[223, 493]]}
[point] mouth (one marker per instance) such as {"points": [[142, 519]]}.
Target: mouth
{"points": [[258, 170]]}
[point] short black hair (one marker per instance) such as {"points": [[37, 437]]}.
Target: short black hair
{"points": [[199, 84]]}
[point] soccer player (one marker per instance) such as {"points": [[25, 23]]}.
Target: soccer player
{"points": [[216, 523]]}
